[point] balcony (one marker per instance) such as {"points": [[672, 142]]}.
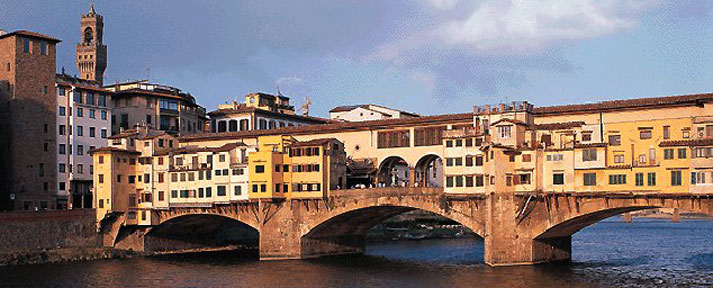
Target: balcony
{"points": [[169, 112]]}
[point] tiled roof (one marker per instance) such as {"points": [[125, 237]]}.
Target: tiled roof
{"points": [[124, 134], [112, 149], [514, 121], [558, 126], [590, 145], [315, 142], [689, 142], [346, 108], [196, 149], [84, 87], [30, 34], [335, 127], [624, 104]]}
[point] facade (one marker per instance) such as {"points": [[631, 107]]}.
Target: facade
{"points": [[285, 168], [91, 52], [366, 112], [157, 106], [27, 121], [146, 170], [83, 115], [260, 111]]}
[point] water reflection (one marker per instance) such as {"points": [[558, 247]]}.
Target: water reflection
{"points": [[651, 253]]}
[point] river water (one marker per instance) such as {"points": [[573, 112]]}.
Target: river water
{"points": [[645, 253]]}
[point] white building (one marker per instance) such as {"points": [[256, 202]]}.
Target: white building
{"points": [[366, 112], [83, 123]]}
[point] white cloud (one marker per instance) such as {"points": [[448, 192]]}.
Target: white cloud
{"points": [[425, 78], [290, 80], [443, 4], [523, 25]]}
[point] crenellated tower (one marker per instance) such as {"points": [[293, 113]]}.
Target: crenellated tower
{"points": [[91, 52]]}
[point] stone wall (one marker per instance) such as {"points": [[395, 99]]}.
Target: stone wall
{"points": [[34, 231]]}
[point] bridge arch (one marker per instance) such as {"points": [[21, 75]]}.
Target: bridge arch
{"points": [[393, 172], [200, 230], [344, 228]]}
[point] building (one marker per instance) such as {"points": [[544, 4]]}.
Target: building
{"points": [[91, 52], [27, 120], [144, 169], [83, 115], [260, 111], [285, 168], [355, 113], [158, 106]]}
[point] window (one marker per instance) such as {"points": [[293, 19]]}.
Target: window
{"points": [[449, 143], [642, 159], [645, 134], [459, 143], [43, 48], [220, 190], [469, 161], [504, 131], [586, 137], [62, 111], [80, 149], [619, 158], [639, 179], [590, 179], [26, 45], [686, 134], [238, 190], [558, 179], [263, 188], [92, 131], [526, 157], [589, 155], [459, 161], [468, 181], [523, 178], [614, 140], [651, 179], [469, 142], [103, 133], [479, 181], [666, 132], [617, 179], [668, 154], [80, 112], [459, 181], [390, 139], [681, 153], [62, 149], [80, 130], [259, 168], [62, 130], [174, 177], [118, 178], [62, 167], [676, 178], [160, 177], [479, 160], [449, 181], [92, 114]]}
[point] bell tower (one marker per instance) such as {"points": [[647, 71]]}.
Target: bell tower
{"points": [[91, 51]]}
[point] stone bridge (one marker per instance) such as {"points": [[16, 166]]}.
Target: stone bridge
{"points": [[517, 229]]}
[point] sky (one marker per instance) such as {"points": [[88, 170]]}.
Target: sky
{"points": [[430, 57]]}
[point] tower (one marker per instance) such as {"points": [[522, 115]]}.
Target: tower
{"points": [[91, 52]]}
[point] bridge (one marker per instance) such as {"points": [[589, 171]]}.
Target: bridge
{"points": [[517, 228]]}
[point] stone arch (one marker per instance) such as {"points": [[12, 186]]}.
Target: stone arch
{"points": [[189, 231], [393, 171], [88, 35], [222, 126], [344, 228], [244, 125], [233, 125], [429, 171]]}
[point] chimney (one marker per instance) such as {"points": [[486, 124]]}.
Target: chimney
{"points": [[501, 107]]}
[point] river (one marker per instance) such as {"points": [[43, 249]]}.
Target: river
{"points": [[645, 253]]}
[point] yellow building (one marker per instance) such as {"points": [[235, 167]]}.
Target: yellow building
{"points": [[285, 168]]}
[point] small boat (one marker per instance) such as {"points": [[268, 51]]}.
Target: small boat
{"points": [[410, 236]]}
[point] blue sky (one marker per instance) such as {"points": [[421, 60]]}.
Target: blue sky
{"points": [[429, 57]]}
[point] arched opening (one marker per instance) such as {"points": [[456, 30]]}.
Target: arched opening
{"points": [[233, 125], [222, 127], [244, 125], [429, 171], [201, 231], [88, 35], [384, 231], [393, 172]]}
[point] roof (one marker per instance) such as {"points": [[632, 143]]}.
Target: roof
{"points": [[625, 104], [560, 125], [346, 108], [514, 121], [315, 142], [112, 149], [124, 134], [338, 126], [84, 87], [689, 142], [196, 149], [31, 35], [182, 96], [590, 145], [242, 108]]}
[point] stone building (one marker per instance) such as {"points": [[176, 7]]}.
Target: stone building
{"points": [[91, 52], [158, 106], [27, 120], [260, 111]]}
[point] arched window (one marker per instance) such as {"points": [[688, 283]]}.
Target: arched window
{"points": [[221, 126], [244, 125], [233, 125], [263, 124], [273, 124], [88, 35], [282, 124]]}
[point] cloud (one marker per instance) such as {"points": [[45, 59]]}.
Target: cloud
{"points": [[425, 78], [443, 4], [520, 26], [290, 80]]}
